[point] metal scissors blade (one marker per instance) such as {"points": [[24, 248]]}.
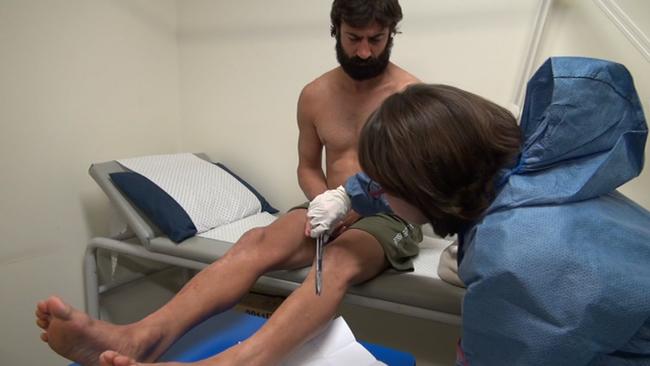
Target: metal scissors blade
{"points": [[320, 244]]}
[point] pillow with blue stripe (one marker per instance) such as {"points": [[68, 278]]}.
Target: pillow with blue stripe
{"points": [[266, 206], [162, 209]]}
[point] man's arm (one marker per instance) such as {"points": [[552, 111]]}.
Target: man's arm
{"points": [[311, 178]]}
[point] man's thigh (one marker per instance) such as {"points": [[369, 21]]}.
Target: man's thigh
{"points": [[398, 238], [370, 246], [353, 257]]}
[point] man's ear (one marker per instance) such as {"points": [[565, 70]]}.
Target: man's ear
{"points": [[334, 31]]}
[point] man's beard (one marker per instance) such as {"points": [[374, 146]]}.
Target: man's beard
{"points": [[360, 69]]}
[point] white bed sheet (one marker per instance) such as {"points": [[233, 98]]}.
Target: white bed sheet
{"points": [[233, 231]]}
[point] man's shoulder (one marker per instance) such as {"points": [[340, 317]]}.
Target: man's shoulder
{"points": [[323, 82], [401, 77], [321, 86]]}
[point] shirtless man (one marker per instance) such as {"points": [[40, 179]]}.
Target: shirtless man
{"points": [[331, 111]]}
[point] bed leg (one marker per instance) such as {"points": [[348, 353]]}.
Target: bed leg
{"points": [[91, 281]]}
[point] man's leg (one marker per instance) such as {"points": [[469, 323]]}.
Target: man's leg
{"points": [[76, 336], [352, 258]]}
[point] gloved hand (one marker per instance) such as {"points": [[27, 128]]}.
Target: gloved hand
{"points": [[327, 210]]}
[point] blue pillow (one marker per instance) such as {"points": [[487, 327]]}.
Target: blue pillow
{"points": [[266, 206], [156, 204]]}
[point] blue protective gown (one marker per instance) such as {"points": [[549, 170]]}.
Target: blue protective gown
{"points": [[558, 269], [366, 196]]}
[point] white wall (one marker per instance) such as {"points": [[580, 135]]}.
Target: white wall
{"points": [[80, 82], [244, 63]]}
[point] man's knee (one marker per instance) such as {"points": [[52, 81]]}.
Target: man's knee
{"points": [[249, 243], [253, 236], [253, 252], [264, 245], [347, 266]]}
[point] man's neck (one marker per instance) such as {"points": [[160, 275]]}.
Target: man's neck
{"points": [[361, 86]]}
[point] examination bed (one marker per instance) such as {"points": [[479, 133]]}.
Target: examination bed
{"points": [[420, 293]]}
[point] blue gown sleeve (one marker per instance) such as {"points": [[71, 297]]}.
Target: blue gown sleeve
{"points": [[366, 195]]}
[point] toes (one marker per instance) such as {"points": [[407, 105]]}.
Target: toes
{"points": [[42, 313], [42, 323], [123, 361], [58, 308], [112, 358], [106, 358], [41, 307], [44, 337]]}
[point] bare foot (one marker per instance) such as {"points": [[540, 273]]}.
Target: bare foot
{"points": [[112, 358], [229, 357], [75, 336]]}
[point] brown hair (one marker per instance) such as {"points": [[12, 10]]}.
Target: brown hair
{"points": [[360, 13], [439, 148]]}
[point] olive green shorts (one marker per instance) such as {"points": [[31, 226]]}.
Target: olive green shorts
{"points": [[398, 238]]}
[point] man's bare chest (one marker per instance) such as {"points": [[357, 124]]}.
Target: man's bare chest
{"points": [[339, 128]]}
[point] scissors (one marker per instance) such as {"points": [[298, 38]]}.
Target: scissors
{"points": [[321, 240]]}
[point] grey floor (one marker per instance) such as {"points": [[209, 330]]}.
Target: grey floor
{"points": [[430, 342]]}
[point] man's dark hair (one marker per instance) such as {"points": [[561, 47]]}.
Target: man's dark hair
{"points": [[361, 13], [441, 149]]}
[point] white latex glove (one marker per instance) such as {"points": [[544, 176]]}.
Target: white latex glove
{"points": [[327, 210]]}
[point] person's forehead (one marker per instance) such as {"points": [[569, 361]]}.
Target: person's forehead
{"points": [[370, 30]]}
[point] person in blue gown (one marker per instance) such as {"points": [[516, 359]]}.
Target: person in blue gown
{"points": [[556, 261]]}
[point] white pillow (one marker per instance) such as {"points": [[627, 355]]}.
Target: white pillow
{"points": [[209, 195]]}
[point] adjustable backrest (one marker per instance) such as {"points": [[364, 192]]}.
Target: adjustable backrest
{"points": [[143, 228]]}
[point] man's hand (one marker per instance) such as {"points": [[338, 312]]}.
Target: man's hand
{"points": [[326, 211]]}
